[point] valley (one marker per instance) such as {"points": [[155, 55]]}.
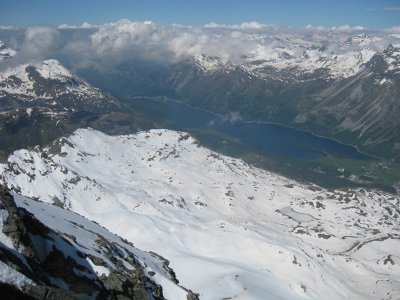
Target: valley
{"points": [[288, 151]]}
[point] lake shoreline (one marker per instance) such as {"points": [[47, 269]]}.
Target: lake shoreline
{"points": [[256, 122]]}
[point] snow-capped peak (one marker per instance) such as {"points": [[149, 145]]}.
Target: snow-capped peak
{"points": [[21, 79], [362, 40], [52, 85], [52, 69], [209, 63]]}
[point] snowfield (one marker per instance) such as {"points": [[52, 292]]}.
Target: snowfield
{"points": [[229, 230]]}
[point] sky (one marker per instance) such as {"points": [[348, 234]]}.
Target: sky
{"points": [[372, 14]]}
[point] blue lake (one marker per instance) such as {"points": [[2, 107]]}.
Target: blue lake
{"points": [[268, 138]]}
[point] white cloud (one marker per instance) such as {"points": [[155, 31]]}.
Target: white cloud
{"points": [[66, 26], [215, 25], [84, 25], [342, 28], [147, 39], [311, 27], [7, 27], [244, 26], [124, 40], [347, 28], [113, 43], [393, 8], [40, 41], [394, 29]]}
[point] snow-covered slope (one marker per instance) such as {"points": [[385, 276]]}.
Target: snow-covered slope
{"points": [[228, 229], [50, 84], [98, 261]]}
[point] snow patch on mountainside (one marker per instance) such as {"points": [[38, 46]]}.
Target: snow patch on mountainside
{"points": [[16, 81], [228, 229]]}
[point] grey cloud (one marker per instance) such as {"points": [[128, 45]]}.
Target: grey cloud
{"points": [[40, 41], [394, 29], [38, 44]]}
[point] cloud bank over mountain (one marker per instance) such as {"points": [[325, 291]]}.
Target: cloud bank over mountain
{"points": [[108, 44]]}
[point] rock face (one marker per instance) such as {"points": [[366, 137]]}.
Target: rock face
{"points": [[130, 287], [362, 108], [50, 264]]}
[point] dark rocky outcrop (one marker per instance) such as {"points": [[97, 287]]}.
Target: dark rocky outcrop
{"points": [[10, 292], [192, 296], [130, 287], [52, 265]]}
